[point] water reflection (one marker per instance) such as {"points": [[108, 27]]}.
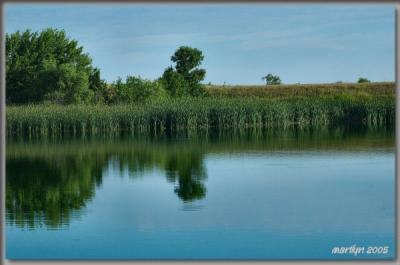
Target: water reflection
{"points": [[188, 170], [49, 182], [49, 189]]}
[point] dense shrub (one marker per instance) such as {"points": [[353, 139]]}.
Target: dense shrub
{"points": [[134, 89]]}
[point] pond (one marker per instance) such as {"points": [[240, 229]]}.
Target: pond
{"points": [[273, 194]]}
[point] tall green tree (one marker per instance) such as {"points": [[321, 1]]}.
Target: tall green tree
{"points": [[185, 78], [47, 65]]}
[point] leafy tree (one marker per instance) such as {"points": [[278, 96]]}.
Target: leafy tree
{"points": [[47, 65], [186, 77], [272, 79], [174, 82], [65, 84], [141, 89], [363, 80], [136, 89], [186, 59], [97, 85], [95, 82]]}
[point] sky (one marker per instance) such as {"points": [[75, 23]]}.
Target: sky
{"points": [[241, 43]]}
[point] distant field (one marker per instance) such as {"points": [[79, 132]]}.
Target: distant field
{"points": [[382, 89]]}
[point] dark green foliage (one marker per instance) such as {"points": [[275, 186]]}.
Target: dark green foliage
{"points": [[271, 79], [65, 84], [185, 79], [135, 89], [46, 65], [95, 82], [174, 83], [186, 59], [363, 80], [97, 85]]}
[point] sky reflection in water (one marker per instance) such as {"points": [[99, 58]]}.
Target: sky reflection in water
{"points": [[271, 195]]}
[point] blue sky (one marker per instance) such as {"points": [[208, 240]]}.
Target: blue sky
{"points": [[240, 42]]}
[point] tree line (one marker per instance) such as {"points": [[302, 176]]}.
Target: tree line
{"points": [[48, 66]]}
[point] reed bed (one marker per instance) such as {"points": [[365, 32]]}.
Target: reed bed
{"points": [[195, 114]]}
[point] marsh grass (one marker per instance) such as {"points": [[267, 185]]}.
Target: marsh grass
{"points": [[201, 114]]}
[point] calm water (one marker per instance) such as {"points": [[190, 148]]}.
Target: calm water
{"points": [[265, 195]]}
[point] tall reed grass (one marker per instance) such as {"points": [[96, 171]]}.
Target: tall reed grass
{"points": [[209, 113]]}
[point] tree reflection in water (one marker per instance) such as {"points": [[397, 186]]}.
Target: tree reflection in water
{"points": [[189, 171], [48, 183], [49, 187], [49, 190]]}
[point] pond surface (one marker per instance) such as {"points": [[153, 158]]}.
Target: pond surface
{"points": [[260, 195]]}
